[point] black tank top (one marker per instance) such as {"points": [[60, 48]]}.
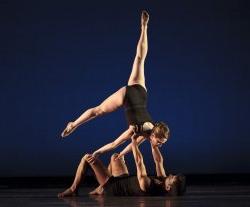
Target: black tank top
{"points": [[135, 104], [129, 186]]}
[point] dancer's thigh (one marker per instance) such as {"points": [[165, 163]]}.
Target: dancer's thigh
{"points": [[114, 101]]}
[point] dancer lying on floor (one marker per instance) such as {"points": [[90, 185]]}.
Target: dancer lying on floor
{"points": [[134, 99], [116, 182]]}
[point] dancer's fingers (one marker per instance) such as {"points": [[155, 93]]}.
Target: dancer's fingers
{"points": [[116, 156], [119, 156], [90, 159]]}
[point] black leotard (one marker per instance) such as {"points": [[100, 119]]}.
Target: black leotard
{"points": [[129, 186], [135, 104]]}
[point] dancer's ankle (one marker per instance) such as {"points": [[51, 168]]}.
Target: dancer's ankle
{"points": [[73, 188], [144, 26]]}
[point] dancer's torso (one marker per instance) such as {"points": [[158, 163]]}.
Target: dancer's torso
{"points": [[135, 104]]}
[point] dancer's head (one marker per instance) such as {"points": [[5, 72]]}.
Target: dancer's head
{"points": [[160, 134], [175, 185]]}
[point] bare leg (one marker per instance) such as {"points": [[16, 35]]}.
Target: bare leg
{"points": [[109, 105], [80, 173], [137, 75], [118, 165], [101, 172]]}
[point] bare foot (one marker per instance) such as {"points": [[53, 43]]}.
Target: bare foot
{"points": [[69, 129], [144, 18], [97, 191], [67, 193]]}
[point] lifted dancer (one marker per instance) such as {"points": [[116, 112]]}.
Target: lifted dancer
{"points": [[133, 98]]}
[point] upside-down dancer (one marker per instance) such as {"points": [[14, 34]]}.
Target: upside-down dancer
{"points": [[133, 98]]}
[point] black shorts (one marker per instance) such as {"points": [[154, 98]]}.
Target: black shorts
{"points": [[110, 187]]}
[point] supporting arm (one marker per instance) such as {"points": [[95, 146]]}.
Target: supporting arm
{"points": [[158, 159], [128, 148], [141, 169]]}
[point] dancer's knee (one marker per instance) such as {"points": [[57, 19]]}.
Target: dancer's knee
{"points": [[98, 110], [114, 156]]}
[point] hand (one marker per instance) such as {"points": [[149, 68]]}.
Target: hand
{"points": [[69, 129], [134, 137], [90, 159], [119, 156]]}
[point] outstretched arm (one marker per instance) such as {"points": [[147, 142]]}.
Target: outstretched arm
{"points": [[143, 179], [128, 148], [158, 159], [112, 145], [141, 169]]}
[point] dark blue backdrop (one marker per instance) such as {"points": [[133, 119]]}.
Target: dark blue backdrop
{"points": [[59, 58]]}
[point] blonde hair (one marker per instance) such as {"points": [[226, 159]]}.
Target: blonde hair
{"points": [[161, 130]]}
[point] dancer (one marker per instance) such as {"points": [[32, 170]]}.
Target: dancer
{"points": [[118, 183], [134, 99]]}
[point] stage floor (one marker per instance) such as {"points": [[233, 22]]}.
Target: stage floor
{"points": [[200, 196]]}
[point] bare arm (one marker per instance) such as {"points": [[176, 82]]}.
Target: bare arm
{"points": [[112, 145], [158, 159], [141, 169], [143, 179], [128, 148]]}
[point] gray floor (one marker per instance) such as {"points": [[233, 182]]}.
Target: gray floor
{"points": [[201, 196]]}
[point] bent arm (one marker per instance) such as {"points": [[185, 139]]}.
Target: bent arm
{"points": [[112, 145], [158, 159]]}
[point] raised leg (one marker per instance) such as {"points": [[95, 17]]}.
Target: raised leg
{"points": [[101, 172], [137, 74], [109, 105]]}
